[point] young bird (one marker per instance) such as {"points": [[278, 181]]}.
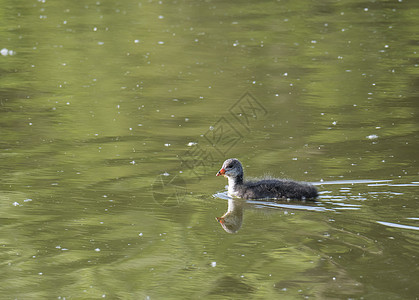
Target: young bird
{"points": [[265, 188]]}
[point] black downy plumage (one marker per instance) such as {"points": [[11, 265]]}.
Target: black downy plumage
{"points": [[266, 188]]}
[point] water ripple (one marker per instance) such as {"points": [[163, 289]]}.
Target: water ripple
{"points": [[398, 225]]}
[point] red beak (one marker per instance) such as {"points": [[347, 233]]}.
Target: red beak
{"points": [[221, 172]]}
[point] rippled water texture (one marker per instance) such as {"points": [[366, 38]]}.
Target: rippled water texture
{"points": [[116, 116]]}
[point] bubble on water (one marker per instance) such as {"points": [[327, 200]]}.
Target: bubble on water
{"points": [[6, 52], [15, 203], [372, 136], [213, 264], [97, 249]]}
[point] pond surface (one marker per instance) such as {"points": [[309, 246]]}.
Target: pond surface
{"points": [[116, 116]]}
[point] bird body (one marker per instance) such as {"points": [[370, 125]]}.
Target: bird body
{"points": [[264, 188]]}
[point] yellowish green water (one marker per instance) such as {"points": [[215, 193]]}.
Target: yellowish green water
{"points": [[116, 115]]}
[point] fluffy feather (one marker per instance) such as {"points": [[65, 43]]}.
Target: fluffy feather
{"points": [[265, 188]]}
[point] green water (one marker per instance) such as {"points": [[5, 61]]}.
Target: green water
{"points": [[116, 116]]}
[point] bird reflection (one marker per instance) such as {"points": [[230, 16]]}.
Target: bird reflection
{"points": [[232, 220]]}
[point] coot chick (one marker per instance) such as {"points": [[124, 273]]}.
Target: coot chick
{"points": [[265, 188]]}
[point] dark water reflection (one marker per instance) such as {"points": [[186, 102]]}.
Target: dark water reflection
{"points": [[114, 118]]}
